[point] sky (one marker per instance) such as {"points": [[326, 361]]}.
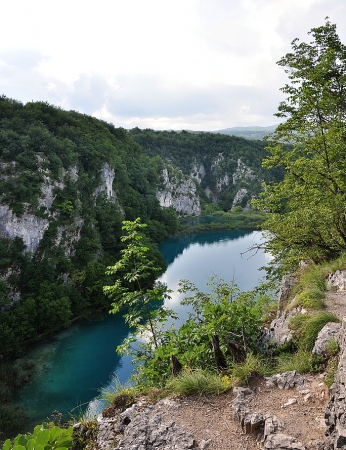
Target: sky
{"points": [[162, 64]]}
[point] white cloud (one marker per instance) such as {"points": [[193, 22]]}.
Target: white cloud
{"points": [[196, 64]]}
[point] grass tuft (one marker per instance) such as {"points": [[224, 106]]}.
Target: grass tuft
{"points": [[199, 382], [302, 361], [240, 373]]}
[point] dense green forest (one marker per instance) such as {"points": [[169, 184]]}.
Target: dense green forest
{"points": [[63, 278], [220, 156]]}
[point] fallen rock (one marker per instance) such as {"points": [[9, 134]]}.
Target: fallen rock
{"points": [[273, 425], [282, 441]]}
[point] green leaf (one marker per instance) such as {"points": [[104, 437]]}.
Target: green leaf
{"points": [[42, 437], [7, 445]]}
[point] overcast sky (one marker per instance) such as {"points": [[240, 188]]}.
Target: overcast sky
{"points": [[162, 64]]}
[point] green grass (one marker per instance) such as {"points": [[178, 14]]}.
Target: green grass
{"points": [[306, 328], [240, 373], [115, 393], [199, 382], [302, 361], [331, 370]]}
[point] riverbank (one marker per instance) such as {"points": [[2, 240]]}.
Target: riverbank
{"points": [[220, 220]]}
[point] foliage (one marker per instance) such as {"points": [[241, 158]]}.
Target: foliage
{"points": [[224, 311], [233, 220], [135, 290], [45, 437], [199, 381], [306, 217], [85, 436], [45, 149]]}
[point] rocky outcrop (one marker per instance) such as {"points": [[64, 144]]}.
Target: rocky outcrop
{"points": [[267, 429], [287, 283], [107, 176], [279, 331], [243, 173], [335, 415], [239, 197], [337, 280], [181, 195], [28, 227], [144, 427], [197, 172]]}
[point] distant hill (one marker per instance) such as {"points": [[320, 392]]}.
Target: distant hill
{"points": [[248, 132]]}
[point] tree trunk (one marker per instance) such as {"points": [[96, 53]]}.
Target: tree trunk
{"points": [[237, 350], [220, 359], [176, 366]]}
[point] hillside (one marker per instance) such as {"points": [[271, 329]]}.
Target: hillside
{"points": [[226, 169], [67, 181], [248, 132]]}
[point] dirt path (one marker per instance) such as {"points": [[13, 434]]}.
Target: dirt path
{"points": [[211, 417]]}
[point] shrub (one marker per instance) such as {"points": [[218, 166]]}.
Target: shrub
{"points": [[46, 436]]}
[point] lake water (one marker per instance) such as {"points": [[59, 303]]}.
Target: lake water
{"points": [[80, 361]]}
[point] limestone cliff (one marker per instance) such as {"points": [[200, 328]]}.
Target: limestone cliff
{"points": [[180, 193]]}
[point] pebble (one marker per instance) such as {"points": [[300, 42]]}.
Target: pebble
{"points": [[290, 401]]}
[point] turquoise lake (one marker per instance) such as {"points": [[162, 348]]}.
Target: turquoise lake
{"points": [[78, 362]]}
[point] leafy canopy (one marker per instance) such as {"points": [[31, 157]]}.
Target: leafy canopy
{"points": [[307, 209]]}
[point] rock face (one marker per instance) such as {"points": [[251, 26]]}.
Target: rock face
{"points": [[338, 280], [335, 415], [287, 282], [181, 195], [107, 176], [28, 227], [143, 428]]}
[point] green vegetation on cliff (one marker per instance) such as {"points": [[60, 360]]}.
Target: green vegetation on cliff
{"points": [[223, 164], [55, 166]]}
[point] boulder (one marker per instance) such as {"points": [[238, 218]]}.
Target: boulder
{"points": [[330, 331]]}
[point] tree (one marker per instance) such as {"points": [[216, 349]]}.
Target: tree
{"points": [[136, 292], [307, 209]]}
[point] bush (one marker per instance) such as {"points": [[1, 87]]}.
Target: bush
{"points": [[200, 382], [46, 436]]}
